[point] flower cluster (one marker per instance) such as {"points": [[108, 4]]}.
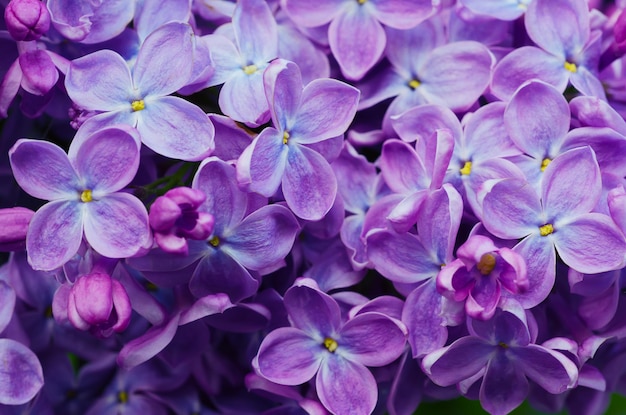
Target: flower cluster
{"points": [[311, 207]]}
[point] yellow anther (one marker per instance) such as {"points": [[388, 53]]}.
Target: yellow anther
{"points": [[48, 312], [330, 344], [467, 168], [570, 67], [414, 83], [361, 1], [122, 397], [86, 196], [545, 163], [215, 241], [546, 229], [250, 69], [503, 345], [138, 105], [285, 137], [486, 264]]}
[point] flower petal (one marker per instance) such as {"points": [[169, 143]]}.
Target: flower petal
{"points": [[255, 30], [267, 162], [312, 311], [550, 369], [21, 376], [459, 361], [504, 386]]}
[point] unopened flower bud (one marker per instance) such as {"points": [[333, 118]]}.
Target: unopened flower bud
{"points": [[27, 20], [174, 218], [13, 227]]}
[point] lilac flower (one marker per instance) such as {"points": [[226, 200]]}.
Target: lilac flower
{"points": [[320, 344], [280, 155], [174, 217], [356, 35], [501, 352], [83, 190], [102, 81], [560, 218], [479, 274], [26, 20], [14, 223]]}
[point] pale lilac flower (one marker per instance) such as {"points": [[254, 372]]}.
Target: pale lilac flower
{"points": [[83, 189]]}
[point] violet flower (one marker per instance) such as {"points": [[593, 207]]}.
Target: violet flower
{"points": [[320, 345], [83, 189], [27, 20]]}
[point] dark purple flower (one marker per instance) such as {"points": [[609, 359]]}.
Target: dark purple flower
{"points": [[27, 20]]}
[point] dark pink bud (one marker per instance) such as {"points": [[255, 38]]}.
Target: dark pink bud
{"points": [[100, 304], [174, 217], [13, 227], [27, 19]]}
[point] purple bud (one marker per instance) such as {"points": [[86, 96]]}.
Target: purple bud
{"points": [[27, 19], [100, 304], [174, 219], [14, 224]]}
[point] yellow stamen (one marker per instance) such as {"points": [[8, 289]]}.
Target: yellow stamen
{"points": [[330, 344], [486, 264], [86, 196], [215, 241], [285, 137], [546, 229], [361, 1], [138, 105], [122, 397], [48, 312], [545, 163], [503, 345], [570, 67], [250, 69], [467, 168], [414, 83]]}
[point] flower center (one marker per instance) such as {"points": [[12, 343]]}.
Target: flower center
{"points": [[503, 345], [486, 264], [215, 241], [285, 137], [250, 69], [138, 105], [122, 397], [330, 344], [570, 67], [86, 196], [414, 83], [546, 229], [544, 163], [466, 169], [361, 1]]}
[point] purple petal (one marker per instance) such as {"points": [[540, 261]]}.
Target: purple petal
{"points": [[7, 299], [268, 162], [283, 88], [312, 311], [402, 168], [560, 27], [255, 30], [594, 112], [328, 107], [288, 356], [400, 257], [371, 339], [309, 184], [346, 387], [149, 344], [590, 243], [242, 98], [108, 160], [21, 376], [54, 235], [176, 128], [537, 118], [9, 87], [402, 14], [308, 14], [511, 210], [538, 252], [459, 361], [43, 170], [504, 386], [608, 145], [486, 133], [39, 73], [420, 123], [422, 314], [116, 226], [357, 41], [100, 81], [443, 74], [571, 184], [163, 63], [154, 14], [205, 306], [549, 369], [262, 238], [523, 64], [216, 179]]}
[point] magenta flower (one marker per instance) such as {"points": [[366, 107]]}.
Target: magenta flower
{"points": [[319, 343], [83, 190]]}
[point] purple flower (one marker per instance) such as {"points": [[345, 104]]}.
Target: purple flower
{"points": [[21, 376], [501, 352], [27, 20], [83, 189], [14, 223], [281, 156], [319, 343]]}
